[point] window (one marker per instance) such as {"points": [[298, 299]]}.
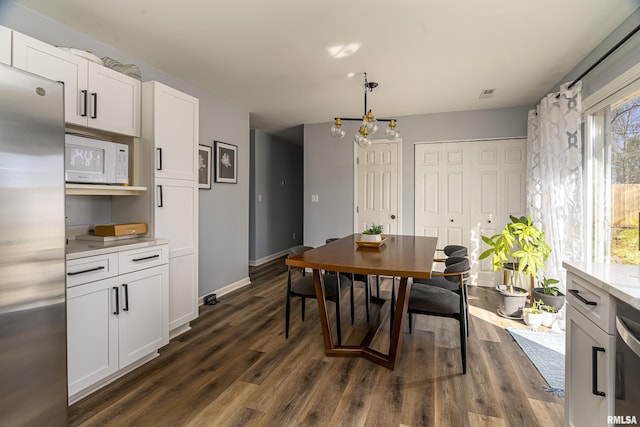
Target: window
{"points": [[612, 166]]}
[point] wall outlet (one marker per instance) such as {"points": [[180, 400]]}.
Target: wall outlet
{"points": [[314, 198]]}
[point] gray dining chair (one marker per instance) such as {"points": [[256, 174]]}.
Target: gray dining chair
{"points": [[304, 287], [432, 300]]}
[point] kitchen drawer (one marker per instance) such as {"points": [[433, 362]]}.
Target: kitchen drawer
{"points": [[594, 303], [90, 269], [138, 259]]}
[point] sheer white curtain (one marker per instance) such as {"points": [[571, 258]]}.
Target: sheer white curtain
{"points": [[554, 176]]}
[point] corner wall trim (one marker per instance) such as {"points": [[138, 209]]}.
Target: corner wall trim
{"points": [[257, 262], [228, 289]]}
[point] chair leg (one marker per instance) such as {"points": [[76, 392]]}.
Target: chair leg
{"points": [[352, 301], [463, 342], [304, 300], [367, 297], [410, 318], [466, 305], [377, 286]]}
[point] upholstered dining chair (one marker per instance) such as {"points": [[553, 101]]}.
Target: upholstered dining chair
{"points": [[432, 300], [304, 287], [452, 251], [452, 264]]}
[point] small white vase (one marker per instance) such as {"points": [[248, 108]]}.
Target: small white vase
{"points": [[370, 237], [532, 319], [548, 318]]}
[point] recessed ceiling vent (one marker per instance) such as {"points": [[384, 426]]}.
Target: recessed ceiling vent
{"points": [[487, 93]]}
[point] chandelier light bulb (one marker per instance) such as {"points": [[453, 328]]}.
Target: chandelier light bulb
{"points": [[336, 129]]}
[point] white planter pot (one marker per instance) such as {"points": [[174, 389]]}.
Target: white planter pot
{"points": [[370, 237], [532, 319], [548, 318]]}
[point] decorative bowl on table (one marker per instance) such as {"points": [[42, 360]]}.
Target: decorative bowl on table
{"points": [[371, 243]]}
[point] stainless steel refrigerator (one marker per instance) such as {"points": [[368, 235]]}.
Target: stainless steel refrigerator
{"points": [[33, 349]]}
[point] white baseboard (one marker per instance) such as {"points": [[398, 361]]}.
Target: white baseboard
{"points": [[227, 289], [257, 262]]}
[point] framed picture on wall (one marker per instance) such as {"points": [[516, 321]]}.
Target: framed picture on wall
{"points": [[204, 167], [226, 169]]}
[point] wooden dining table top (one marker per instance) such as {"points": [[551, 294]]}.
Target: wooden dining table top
{"points": [[399, 256]]}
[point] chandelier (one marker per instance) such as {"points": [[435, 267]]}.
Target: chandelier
{"points": [[368, 125]]}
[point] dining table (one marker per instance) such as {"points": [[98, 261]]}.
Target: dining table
{"points": [[397, 256]]}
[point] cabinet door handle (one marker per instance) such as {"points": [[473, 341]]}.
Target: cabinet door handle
{"points": [[117, 291], [159, 159], [73, 273], [159, 204], [576, 293], [145, 258], [125, 306], [84, 103], [95, 105], [594, 369]]}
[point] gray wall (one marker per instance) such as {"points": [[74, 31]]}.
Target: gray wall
{"points": [[275, 196], [328, 163], [224, 210], [627, 56]]}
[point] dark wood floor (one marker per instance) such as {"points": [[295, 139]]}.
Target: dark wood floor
{"points": [[235, 368]]}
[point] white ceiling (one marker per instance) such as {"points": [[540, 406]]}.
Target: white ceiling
{"points": [[271, 57]]}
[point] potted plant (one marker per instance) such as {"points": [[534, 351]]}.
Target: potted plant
{"points": [[549, 294], [533, 315], [548, 315], [520, 243], [372, 234]]}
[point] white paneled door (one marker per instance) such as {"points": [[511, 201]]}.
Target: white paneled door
{"points": [[467, 189], [378, 192]]}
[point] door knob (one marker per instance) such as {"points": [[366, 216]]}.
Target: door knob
{"points": [[393, 217]]}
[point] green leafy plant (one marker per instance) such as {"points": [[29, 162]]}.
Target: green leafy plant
{"points": [[548, 288], [374, 229], [521, 242], [536, 307], [549, 309]]}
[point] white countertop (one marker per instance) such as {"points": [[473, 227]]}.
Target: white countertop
{"points": [[619, 280], [84, 248]]}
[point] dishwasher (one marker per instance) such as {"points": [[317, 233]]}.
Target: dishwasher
{"points": [[627, 403]]}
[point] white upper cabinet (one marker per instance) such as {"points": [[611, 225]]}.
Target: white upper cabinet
{"points": [[5, 45], [95, 96], [174, 131]]}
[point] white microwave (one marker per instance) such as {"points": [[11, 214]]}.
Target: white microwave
{"points": [[93, 161]]}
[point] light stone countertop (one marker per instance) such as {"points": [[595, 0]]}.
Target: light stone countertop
{"points": [[84, 248], [619, 280]]}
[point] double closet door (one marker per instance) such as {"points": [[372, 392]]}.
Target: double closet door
{"points": [[467, 189]]}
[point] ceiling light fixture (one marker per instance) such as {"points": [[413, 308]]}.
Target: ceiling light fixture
{"points": [[369, 124]]}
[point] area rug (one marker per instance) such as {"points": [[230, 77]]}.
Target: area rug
{"points": [[546, 350]]}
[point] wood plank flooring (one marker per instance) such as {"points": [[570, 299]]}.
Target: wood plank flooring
{"points": [[235, 368]]}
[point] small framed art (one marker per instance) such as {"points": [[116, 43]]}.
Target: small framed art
{"points": [[226, 169], [204, 167]]}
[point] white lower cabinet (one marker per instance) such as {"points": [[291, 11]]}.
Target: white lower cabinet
{"points": [[590, 355], [116, 321], [92, 333]]}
